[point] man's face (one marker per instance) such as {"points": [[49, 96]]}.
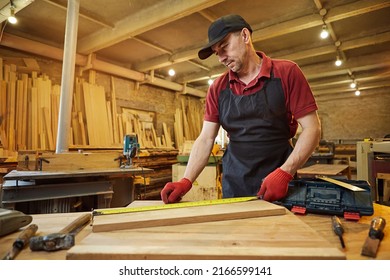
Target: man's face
{"points": [[230, 51]]}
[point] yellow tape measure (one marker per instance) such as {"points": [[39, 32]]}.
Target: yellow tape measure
{"points": [[172, 205]]}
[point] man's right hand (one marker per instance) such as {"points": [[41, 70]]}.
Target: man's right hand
{"points": [[174, 191]]}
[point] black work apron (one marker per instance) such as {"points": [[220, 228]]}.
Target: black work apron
{"points": [[259, 136]]}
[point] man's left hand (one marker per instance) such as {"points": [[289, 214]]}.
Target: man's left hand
{"points": [[275, 185]]}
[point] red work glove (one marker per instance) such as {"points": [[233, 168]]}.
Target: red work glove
{"points": [[173, 192], [275, 185]]}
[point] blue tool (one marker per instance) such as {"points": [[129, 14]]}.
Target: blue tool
{"points": [[130, 149]]}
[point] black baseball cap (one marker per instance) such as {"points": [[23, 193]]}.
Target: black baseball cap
{"points": [[219, 29]]}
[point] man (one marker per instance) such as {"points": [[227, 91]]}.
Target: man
{"points": [[259, 101]]}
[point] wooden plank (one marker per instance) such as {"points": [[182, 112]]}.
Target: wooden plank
{"points": [[117, 138], [55, 101], [24, 118], [267, 237], [80, 161], [120, 125], [11, 112], [109, 119], [76, 131], [199, 214], [3, 114], [82, 129], [49, 133], [167, 135], [323, 169], [89, 114], [96, 115], [19, 114]]}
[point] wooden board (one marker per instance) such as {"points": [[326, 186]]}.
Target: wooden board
{"points": [[199, 214], [269, 237], [323, 169]]}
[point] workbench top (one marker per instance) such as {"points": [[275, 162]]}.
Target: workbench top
{"points": [[354, 236], [33, 175]]}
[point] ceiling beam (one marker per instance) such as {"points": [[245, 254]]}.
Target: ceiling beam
{"points": [[328, 76], [362, 63], [345, 46], [355, 9], [376, 75], [348, 45], [83, 14], [151, 17], [350, 94], [384, 84], [337, 13]]}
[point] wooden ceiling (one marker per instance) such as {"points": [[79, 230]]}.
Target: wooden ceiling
{"points": [[148, 37]]}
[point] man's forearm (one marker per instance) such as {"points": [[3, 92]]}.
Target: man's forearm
{"points": [[307, 142], [199, 157]]}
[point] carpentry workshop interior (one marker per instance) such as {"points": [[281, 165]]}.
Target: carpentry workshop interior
{"points": [[101, 103]]}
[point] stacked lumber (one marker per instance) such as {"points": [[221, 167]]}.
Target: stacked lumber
{"points": [[29, 112], [141, 123], [161, 162], [188, 122], [29, 108], [97, 123]]}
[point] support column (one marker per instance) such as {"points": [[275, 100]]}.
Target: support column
{"points": [[67, 81]]}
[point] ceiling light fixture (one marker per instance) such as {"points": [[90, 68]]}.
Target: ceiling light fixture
{"points": [[338, 61], [353, 84], [171, 72], [210, 81], [357, 92], [12, 19], [324, 33]]}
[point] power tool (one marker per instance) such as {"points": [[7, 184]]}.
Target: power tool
{"points": [[130, 149]]}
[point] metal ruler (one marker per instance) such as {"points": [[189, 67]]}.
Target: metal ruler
{"points": [[110, 211], [341, 184]]}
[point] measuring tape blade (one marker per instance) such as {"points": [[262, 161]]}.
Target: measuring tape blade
{"points": [[110, 211]]}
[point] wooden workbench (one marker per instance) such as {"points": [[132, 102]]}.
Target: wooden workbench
{"points": [[320, 225]]}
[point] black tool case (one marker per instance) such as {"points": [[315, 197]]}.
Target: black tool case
{"points": [[320, 197]]}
